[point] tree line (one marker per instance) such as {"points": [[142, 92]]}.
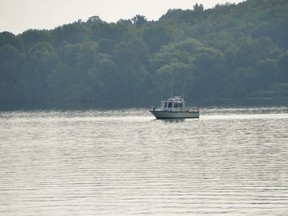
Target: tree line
{"points": [[230, 51]]}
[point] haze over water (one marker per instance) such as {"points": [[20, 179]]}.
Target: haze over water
{"points": [[124, 162]]}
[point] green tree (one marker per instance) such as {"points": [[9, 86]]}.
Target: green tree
{"points": [[198, 8], [11, 62], [60, 83], [7, 38], [139, 20], [156, 36], [31, 37], [75, 32], [211, 72], [232, 50], [40, 60], [106, 46], [283, 67]]}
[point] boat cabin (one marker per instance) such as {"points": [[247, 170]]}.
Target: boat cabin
{"points": [[173, 104]]}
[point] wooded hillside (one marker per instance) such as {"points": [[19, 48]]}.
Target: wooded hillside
{"points": [[230, 51]]}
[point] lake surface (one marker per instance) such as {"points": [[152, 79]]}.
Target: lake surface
{"points": [[231, 161]]}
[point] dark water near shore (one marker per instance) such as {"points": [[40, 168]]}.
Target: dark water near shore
{"points": [[231, 161]]}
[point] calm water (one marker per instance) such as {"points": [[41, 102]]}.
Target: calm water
{"points": [[123, 162]]}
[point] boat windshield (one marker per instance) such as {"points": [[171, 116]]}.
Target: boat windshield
{"points": [[171, 103]]}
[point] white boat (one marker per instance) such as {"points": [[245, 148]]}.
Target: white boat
{"points": [[174, 108]]}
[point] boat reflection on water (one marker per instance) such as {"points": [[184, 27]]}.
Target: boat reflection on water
{"points": [[171, 121]]}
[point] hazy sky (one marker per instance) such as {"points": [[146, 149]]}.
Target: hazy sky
{"points": [[17, 16]]}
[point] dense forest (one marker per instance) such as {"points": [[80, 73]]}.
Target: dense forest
{"points": [[230, 51]]}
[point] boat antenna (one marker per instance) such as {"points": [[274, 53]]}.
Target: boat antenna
{"points": [[172, 88], [184, 88]]}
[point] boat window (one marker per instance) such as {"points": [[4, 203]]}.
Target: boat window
{"points": [[180, 104], [175, 105], [165, 104], [170, 105]]}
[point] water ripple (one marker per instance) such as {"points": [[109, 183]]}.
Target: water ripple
{"points": [[123, 162]]}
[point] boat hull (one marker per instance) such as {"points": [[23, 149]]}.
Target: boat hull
{"points": [[175, 114]]}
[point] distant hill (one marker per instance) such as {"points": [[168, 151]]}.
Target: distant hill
{"points": [[231, 51]]}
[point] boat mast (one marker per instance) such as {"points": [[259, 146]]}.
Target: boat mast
{"points": [[183, 89], [171, 95]]}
